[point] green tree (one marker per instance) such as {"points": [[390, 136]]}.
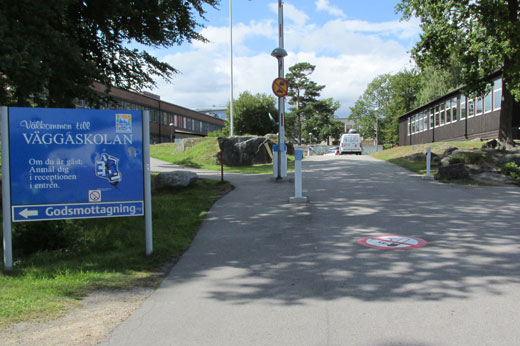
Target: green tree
{"points": [[483, 35], [254, 114], [371, 106], [376, 112], [52, 51], [320, 120], [302, 91], [436, 81]]}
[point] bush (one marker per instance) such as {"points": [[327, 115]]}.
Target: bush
{"points": [[511, 169], [32, 237]]}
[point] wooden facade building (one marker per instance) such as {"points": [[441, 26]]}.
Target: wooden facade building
{"points": [[456, 117]]}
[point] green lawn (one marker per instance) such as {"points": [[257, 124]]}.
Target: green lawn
{"points": [[100, 253], [203, 155]]}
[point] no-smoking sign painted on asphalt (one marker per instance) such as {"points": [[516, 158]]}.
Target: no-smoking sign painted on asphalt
{"points": [[280, 87], [392, 242]]}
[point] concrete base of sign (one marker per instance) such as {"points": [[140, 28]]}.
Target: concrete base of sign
{"points": [[428, 177], [302, 199]]}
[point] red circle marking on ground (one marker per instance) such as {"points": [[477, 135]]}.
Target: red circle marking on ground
{"points": [[392, 242]]}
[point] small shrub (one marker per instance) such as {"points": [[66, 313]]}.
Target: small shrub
{"points": [[511, 169], [457, 159]]}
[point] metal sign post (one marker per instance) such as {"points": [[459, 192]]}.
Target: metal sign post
{"points": [[6, 192], [279, 53]]}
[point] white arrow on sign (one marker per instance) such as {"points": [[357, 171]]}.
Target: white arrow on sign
{"points": [[27, 213]]}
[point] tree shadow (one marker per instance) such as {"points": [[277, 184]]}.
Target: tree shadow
{"points": [[259, 247]]}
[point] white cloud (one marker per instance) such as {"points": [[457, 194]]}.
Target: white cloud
{"points": [[323, 5], [348, 55]]}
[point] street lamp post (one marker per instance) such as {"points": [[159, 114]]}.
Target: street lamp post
{"points": [[172, 132], [231, 68], [280, 53]]}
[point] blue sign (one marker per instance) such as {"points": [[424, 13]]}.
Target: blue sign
{"points": [[75, 163]]}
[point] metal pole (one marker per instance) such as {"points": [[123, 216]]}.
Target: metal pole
{"points": [[6, 191], [147, 183], [281, 100], [231, 64]]}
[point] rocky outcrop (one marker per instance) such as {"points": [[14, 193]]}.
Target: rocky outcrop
{"points": [[244, 151], [175, 179], [483, 165]]}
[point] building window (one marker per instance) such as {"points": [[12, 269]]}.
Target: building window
{"points": [[454, 113], [443, 114], [409, 126], [437, 117], [488, 103], [431, 118], [425, 121], [479, 106], [448, 112], [497, 94], [471, 107]]}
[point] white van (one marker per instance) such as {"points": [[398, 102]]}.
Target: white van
{"points": [[350, 143]]}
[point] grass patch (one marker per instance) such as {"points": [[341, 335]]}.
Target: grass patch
{"points": [[203, 155], [110, 253], [398, 155]]}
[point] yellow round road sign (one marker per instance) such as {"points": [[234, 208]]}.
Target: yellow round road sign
{"points": [[280, 87]]}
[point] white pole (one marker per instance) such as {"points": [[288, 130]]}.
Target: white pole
{"points": [[298, 197], [231, 133], [428, 160], [6, 192], [147, 184]]}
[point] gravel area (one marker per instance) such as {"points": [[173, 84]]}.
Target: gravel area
{"points": [[88, 324]]}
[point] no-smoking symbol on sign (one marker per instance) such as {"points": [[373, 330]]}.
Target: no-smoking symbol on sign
{"points": [[392, 242], [94, 195], [280, 87]]}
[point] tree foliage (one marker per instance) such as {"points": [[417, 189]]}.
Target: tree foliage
{"points": [[302, 92], [483, 35], [52, 51], [254, 114], [320, 120], [376, 112]]}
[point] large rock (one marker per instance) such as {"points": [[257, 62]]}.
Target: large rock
{"points": [[175, 179], [244, 151], [456, 171]]}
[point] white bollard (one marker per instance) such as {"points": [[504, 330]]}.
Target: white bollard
{"points": [[428, 163], [298, 198]]}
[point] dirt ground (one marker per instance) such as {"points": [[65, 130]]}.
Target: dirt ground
{"points": [[89, 324]]}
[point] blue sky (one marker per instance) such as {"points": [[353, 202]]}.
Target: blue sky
{"points": [[350, 42]]}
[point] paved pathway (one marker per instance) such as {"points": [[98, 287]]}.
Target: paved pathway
{"points": [[262, 271]]}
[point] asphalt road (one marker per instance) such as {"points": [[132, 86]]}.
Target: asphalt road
{"points": [[262, 271]]}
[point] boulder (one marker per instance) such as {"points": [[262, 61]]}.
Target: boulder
{"points": [[492, 144], [456, 171], [449, 151], [244, 151], [175, 179]]}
